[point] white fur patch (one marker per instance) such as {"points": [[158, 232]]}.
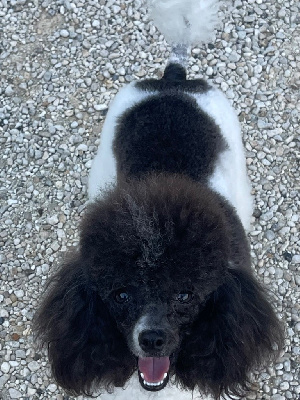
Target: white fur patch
{"points": [[141, 325], [230, 177], [104, 170], [133, 390], [185, 21]]}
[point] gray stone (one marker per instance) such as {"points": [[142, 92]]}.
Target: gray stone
{"points": [[20, 354], [296, 350], [270, 235], [9, 91], [33, 366], [296, 259], [14, 393], [74, 124], [5, 367], [86, 44], [82, 147], [64, 33], [96, 23], [3, 380], [267, 216], [47, 76]]}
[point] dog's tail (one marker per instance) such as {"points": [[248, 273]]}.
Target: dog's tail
{"points": [[184, 22]]}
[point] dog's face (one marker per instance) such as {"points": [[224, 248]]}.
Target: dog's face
{"points": [[154, 308], [154, 317], [155, 287]]}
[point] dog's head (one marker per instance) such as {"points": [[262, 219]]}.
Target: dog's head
{"points": [[154, 286]]}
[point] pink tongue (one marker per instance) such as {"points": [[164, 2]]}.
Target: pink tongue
{"points": [[154, 368]]}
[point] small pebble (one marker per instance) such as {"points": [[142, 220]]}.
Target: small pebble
{"points": [[296, 259], [5, 367], [64, 33]]}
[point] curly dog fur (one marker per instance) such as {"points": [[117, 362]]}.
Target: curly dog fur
{"points": [[158, 236]]}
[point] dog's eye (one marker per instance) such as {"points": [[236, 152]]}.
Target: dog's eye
{"points": [[121, 296], [184, 297]]}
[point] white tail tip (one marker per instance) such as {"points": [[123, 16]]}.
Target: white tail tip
{"points": [[188, 22]]}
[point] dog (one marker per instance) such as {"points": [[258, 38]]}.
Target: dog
{"points": [[160, 290]]}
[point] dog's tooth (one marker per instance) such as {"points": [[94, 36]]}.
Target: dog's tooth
{"points": [[142, 375], [152, 383], [165, 375]]}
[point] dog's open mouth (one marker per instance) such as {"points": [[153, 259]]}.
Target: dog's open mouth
{"points": [[153, 372]]}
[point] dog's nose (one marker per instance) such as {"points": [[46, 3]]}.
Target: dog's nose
{"points": [[152, 340]]}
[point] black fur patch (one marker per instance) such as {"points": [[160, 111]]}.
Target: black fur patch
{"points": [[174, 78], [167, 133]]}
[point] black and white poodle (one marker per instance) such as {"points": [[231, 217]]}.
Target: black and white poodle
{"points": [[160, 289]]}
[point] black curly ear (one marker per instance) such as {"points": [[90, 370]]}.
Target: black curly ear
{"points": [[236, 332], [85, 347]]}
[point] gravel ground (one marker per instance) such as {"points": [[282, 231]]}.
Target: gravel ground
{"points": [[61, 63]]}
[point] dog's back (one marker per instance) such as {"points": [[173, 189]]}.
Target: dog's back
{"points": [[168, 132], [174, 125]]}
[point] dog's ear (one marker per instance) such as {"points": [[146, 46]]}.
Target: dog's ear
{"points": [[236, 331], [86, 350]]}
